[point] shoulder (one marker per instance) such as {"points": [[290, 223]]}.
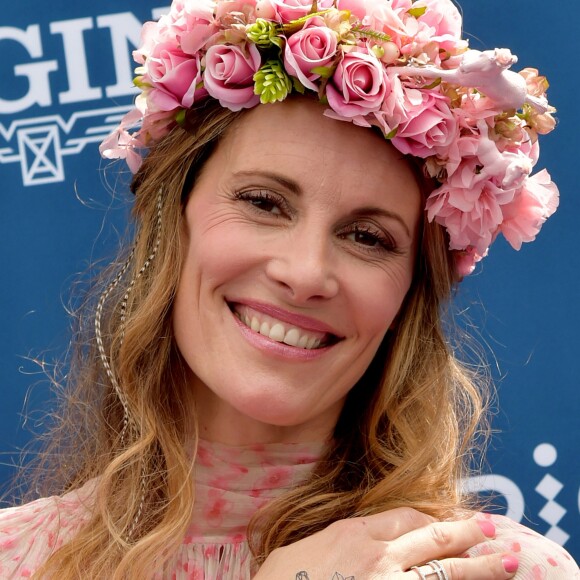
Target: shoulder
{"points": [[539, 557], [31, 532]]}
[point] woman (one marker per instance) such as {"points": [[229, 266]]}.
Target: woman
{"points": [[267, 391]]}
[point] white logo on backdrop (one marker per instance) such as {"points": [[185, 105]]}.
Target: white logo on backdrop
{"points": [[545, 455], [40, 143]]}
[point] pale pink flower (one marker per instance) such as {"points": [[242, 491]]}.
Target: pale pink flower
{"points": [[121, 144], [229, 72], [174, 76], [265, 9], [508, 169], [535, 203], [313, 46], [402, 5], [465, 261], [228, 12], [358, 86], [398, 104], [287, 10], [193, 23], [383, 17], [537, 85], [442, 16], [470, 216], [156, 126], [431, 127]]}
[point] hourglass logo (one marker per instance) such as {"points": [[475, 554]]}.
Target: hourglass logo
{"points": [[545, 455]]}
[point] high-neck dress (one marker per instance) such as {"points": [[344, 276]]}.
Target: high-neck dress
{"points": [[231, 484]]}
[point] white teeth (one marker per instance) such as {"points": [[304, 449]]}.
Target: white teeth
{"points": [[277, 333], [292, 337]]}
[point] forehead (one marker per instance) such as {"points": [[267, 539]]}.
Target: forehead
{"points": [[326, 158]]}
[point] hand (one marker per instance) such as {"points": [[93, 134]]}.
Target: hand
{"points": [[386, 546]]}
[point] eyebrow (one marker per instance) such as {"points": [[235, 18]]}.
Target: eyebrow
{"points": [[285, 182], [295, 188], [381, 212]]}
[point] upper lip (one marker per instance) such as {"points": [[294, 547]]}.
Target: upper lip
{"points": [[304, 322]]}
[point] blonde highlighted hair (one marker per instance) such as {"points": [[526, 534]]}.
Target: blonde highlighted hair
{"points": [[404, 437]]}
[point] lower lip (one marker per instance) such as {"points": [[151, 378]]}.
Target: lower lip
{"points": [[278, 349]]}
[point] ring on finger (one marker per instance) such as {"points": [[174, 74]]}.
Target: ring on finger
{"points": [[432, 568], [438, 567]]}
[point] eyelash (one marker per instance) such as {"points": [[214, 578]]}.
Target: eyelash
{"points": [[384, 242], [253, 196]]}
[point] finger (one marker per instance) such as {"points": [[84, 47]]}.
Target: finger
{"points": [[394, 523], [493, 567], [440, 540]]}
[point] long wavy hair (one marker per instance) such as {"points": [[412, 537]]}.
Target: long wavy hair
{"points": [[404, 438]]}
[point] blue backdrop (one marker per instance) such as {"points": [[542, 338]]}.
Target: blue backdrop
{"points": [[65, 79]]}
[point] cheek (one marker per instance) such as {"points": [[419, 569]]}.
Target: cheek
{"points": [[377, 297], [216, 256]]}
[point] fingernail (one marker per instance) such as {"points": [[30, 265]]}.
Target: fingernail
{"points": [[487, 528], [510, 564]]}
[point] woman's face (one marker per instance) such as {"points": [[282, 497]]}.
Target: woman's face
{"points": [[300, 237]]}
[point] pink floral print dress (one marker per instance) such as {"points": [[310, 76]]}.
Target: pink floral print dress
{"points": [[231, 484]]}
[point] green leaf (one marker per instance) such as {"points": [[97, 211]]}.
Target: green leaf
{"points": [[417, 12], [324, 71], [298, 86], [296, 25], [180, 116], [369, 32], [434, 84], [392, 134]]}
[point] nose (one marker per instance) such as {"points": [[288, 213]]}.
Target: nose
{"points": [[302, 266]]}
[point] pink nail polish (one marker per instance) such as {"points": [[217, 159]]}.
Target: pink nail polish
{"points": [[510, 564], [487, 528]]}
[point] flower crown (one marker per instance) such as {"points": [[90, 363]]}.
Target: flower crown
{"points": [[399, 65]]}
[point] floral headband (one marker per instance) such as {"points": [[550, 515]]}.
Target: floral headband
{"points": [[399, 65]]}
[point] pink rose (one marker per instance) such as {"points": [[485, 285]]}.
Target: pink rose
{"points": [[174, 76], [229, 72], [431, 128], [288, 10], [535, 203], [150, 35], [313, 46], [358, 86]]}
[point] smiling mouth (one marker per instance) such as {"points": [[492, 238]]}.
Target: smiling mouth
{"points": [[280, 331]]}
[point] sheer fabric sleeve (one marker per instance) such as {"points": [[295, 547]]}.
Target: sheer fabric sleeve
{"points": [[30, 533], [540, 558]]}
